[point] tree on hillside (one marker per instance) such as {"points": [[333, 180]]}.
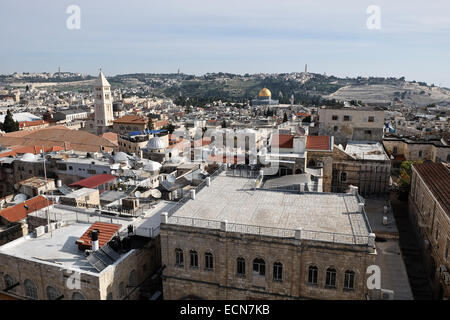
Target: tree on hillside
{"points": [[9, 125]]}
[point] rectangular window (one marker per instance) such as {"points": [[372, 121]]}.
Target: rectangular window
{"points": [[335, 118], [371, 119], [367, 131], [241, 267], [194, 259], [331, 278], [349, 280], [90, 171], [346, 118], [312, 275], [209, 261]]}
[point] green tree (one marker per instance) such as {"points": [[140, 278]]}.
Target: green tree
{"points": [[404, 179], [151, 125], [9, 125], [170, 128]]}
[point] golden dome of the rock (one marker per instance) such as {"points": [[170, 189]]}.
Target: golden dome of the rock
{"points": [[265, 93]]}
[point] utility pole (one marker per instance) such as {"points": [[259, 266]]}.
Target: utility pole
{"points": [[46, 197]]}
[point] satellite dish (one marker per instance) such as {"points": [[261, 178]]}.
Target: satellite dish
{"points": [[171, 179], [156, 193], [137, 194], [20, 198]]}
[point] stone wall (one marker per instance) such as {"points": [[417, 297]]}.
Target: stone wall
{"points": [[223, 282], [432, 225]]}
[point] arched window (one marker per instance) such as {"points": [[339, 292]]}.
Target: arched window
{"points": [[179, 259], [77, 296], [9, 281], [330, 280], [277, 271], [240, 264], [259, 267], [313, 272], [52, 294], [209, 261], [349, 280], [132, 278], [121, 290], [30, 289], [193, 259], [343, 176]]}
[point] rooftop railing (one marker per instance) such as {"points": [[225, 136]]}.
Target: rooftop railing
{"points": [[332, 237]]}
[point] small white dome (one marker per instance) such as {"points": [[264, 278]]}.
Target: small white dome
{"points": [[152, 166], [121, 157], [156, 143], [28, 157]]}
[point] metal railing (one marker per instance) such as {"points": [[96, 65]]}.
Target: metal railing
{"points": [[322, 236]]}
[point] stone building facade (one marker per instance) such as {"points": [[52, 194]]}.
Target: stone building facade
{"points": [[223, 281], [119, 281], [351, 124], [429, 210]]}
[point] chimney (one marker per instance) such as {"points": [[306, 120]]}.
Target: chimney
{"points": [[94, 238]]}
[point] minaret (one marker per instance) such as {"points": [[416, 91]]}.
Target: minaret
{"points": [[306, 68], [103, 103]]}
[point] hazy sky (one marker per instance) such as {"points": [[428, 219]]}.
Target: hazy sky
{"points": [[238, 36]]}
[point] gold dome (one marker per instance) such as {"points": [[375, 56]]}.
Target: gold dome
{"points": [[265, 93]]}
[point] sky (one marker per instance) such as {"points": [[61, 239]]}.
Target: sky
{"points": [[236, 36]]}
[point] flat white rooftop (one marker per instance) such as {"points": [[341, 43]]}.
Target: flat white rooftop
{"points": [[320, 216], [366, 150], [59, 248]]}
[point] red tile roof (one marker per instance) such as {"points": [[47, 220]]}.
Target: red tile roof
{"points": [[105, 233], [94, 181], [283, 141], [131, 119], [30, 149], [20, 211], [318, 143], [437, 178]]}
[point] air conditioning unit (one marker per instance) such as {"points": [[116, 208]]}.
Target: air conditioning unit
{"points": [[319, 164], [387, 294]]}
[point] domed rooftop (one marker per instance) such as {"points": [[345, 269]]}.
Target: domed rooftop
{"points": [[152, 166], [28, 157], [120, 157], [117, 106], [265, 93], [156, 143]]}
